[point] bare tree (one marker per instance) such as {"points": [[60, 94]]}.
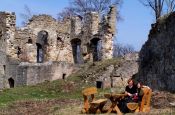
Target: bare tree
{"points": [[26, 15], [80, 7], [170, 5], [121, 50], [66, 13], [155, 5], [100, 6]]}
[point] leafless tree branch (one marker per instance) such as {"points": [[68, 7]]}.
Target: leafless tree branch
{"points": [[26, 15], [170, 5], [80, 7], [121, 50], [155, 5]]}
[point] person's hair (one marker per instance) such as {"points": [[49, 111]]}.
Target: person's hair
{"points": [[129, 80], [141, 84]]}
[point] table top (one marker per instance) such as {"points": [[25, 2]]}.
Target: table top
{"points": [[99, 101], [109, 95]]}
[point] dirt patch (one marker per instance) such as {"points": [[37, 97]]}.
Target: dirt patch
{"points": [[69, 86], [39, 107], [162, 99]]}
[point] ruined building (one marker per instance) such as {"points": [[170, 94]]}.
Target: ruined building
{"points": [[157, 56], [47, 49]]}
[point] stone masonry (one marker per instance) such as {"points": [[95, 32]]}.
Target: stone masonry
{"points": [[31, 74], [157, 56], [46, 45]]}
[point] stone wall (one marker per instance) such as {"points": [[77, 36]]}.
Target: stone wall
{"points": [[7, 32], [2, 68], [157, 56], [95, 38], [73, 40], [116, 75], [3, 34], [10, 35], [76, 25], [31, 74], [109, 31], [10, 71], [125, 70], [58, 43], [2, 47]]}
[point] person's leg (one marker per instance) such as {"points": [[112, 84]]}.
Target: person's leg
{"points": [[121, 105], [124, 107]]}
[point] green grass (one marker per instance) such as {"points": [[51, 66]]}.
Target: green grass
{"points": [[59, 89], [47, 90]]}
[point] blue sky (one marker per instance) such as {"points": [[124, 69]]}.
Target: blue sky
{"points": [[132, 30]]}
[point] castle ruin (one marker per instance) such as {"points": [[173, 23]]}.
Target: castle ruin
{"points": [[47, 49], [157, 56]]}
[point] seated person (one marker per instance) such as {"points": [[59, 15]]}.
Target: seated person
{"points": [[130, 91], [140, 91]]}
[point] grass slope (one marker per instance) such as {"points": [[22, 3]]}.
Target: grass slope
{"points": [[59, 89]]}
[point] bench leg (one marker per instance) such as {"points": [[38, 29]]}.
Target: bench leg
{"points": [[115, 107], [98, 111], [95, 108], [110, 109], [117, 110]]}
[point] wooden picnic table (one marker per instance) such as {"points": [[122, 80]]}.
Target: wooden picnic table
{"points": [[114, 98]]}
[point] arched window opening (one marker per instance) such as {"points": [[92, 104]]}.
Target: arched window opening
{"points": [[42, 37], [40, 54], [76, 48], [42, 41], [96, 47]]}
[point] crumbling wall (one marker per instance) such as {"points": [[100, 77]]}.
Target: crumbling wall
{"points": [[10, 34], [2, 47], [96, 38], [91, 24], [157, 56], [76, 25], [7, 47], [57, 45], [109, 30], [116, 74], [44, 39], [96, 35], [25, 42]]}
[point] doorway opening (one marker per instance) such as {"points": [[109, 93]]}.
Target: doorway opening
{"points": [[64, 76], [11, 82]]}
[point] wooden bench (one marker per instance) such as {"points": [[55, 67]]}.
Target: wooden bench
{"points": [[90, 104], [144, 106]]}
